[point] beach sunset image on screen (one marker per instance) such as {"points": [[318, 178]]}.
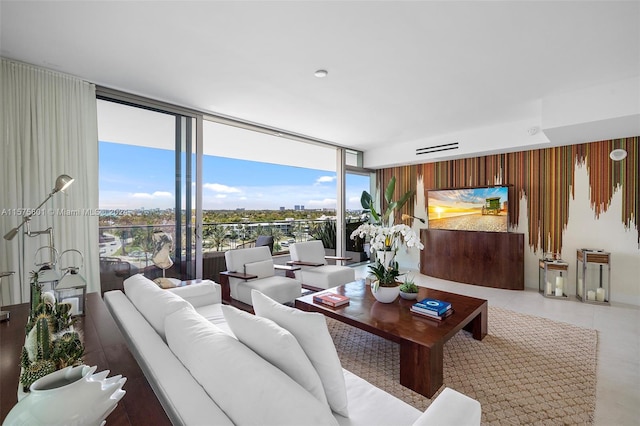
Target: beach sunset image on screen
{"points": [[469, 209]]}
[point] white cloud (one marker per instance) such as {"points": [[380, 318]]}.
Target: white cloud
{"points": [[221, 195], [147, 196], [325, 179], [217, 187], [327, 202]]}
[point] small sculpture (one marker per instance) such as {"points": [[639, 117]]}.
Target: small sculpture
{"points": [[162, 258]]}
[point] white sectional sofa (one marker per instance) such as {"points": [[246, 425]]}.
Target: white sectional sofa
{"points": [[211, 364]]}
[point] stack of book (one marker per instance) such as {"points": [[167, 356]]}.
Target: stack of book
{"points": [[330, 299], [432, 308]]}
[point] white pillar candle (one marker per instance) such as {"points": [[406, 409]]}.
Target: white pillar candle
{"points": [[559, 291], [560, 283], [549, 288], [591, 295], [600, 294], [580, 287]]}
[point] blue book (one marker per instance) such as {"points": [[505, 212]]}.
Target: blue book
{"points": [[435, 305]]}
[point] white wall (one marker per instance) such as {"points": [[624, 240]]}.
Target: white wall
{"points": [[583, 231]]}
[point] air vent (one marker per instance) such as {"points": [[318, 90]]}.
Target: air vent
{"points": [[437, 148]]}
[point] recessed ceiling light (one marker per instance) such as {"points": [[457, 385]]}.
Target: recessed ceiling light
{"points": [[321, 73], [618, 154]]}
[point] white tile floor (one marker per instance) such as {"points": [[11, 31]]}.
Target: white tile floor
{"points": [[618, 325]]}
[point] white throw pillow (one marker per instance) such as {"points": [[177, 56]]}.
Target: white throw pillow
{"points": [[276, 345], [310, 330], [246, 387], [153, 302], [262, 268]]}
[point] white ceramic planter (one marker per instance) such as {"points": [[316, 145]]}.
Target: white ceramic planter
{"points": [[408, 296], [70, 396], [385, 294]]}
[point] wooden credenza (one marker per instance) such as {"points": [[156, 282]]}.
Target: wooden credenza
{"points": [[104, 347], [489, 259]]}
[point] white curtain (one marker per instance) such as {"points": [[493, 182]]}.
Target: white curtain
{"points": [[49, 127]]}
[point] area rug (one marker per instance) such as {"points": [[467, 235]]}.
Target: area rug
{"points": [[527, 370]]}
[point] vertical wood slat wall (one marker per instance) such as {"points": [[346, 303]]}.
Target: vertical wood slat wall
{"points": [[545, 176]]}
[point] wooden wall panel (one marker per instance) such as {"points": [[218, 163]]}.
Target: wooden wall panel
{"points": [[545, 177]]}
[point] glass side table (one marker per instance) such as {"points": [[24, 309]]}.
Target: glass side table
{"points": [[593, 276], [553, 277]]}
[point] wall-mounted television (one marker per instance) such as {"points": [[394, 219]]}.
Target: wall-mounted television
{"points": [[469, 209]]}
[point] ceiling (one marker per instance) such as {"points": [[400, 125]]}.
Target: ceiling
{"points": [[399, 72]]}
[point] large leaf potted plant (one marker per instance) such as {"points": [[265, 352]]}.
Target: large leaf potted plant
{"points": [[385, 239]]}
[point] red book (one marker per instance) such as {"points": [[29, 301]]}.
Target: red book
{"points": [[331, 299]]}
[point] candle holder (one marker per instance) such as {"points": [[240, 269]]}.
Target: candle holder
{"points": [[553, 274], [593, 276]]}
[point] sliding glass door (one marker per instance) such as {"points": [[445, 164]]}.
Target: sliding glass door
{"points": [[146, 180]]}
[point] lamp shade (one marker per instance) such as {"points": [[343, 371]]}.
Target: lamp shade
{"points": [[11, 234], [62, 183]]}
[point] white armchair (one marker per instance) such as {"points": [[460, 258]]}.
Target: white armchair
{"points": [[315, 272], [252, 268]]}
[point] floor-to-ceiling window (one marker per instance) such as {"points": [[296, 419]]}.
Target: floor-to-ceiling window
{"points": [[146, 175], [211, 186]]}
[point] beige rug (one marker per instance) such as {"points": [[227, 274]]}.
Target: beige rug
{"points": [[527, 370]]}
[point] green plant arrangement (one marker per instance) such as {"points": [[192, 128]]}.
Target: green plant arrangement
{"points": [[385, 238], [368, 203], [51, 343], [408, 286]]}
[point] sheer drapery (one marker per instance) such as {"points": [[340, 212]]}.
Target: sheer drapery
{"points": [[49, 128]]}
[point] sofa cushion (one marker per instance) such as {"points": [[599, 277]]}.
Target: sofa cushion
{"points": [[152, 302], [246, 387], [310, 330], [183, 399], [276, 345], [261, 268], [200, 294]]}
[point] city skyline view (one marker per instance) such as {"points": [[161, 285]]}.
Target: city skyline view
{"points": [[135, 177]]}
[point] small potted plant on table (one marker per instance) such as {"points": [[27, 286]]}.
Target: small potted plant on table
{"points": [[408, 289]]}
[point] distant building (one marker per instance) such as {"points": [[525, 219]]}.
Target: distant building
{"points": [[281, 209]]}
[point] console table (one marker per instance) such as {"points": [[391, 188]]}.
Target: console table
{"points": [[104, 347], [489, 259]]}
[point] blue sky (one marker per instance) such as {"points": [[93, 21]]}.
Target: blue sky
{"points": [[133, 177]]}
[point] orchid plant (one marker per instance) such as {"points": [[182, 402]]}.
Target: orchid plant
{"points": [[386, 238]]}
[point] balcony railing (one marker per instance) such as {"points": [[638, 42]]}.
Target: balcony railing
{"points": [[126, 250]]}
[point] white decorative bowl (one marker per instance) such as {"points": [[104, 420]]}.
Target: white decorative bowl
{"points": [[72, 395]]}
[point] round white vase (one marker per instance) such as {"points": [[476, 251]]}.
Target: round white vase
{"points": [[385, 294], [72, 395]]}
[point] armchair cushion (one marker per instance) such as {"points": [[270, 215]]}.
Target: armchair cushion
{"points": [[261, 268], [279, 288], [308, 251], [276, 345], [310, 330]]}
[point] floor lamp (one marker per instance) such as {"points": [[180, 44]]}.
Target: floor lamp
{"points": [[62, 183]]}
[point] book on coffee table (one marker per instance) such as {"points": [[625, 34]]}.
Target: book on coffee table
{"points": [[431, 314], [331, 299], [438, 307]]}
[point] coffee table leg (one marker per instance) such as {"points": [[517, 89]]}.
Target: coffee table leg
{"points": [[478, 326], [421, 367]]}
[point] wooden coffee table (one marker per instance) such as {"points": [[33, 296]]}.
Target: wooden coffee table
{"points": [[421, 339]]}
